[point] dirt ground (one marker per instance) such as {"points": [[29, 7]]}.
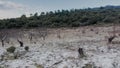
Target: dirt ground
{"points": [[58, 48]]}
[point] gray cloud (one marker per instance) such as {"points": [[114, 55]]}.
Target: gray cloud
{"points": [[10, 9], [4, 5]]}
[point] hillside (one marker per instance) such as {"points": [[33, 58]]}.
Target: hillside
{"points": [[60, 47], [66, 18]]}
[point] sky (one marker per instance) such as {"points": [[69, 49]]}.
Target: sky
{"points": [[16, 8]]}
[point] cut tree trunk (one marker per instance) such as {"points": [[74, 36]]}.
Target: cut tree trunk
{"points": [[2, 41], [81, 53]]}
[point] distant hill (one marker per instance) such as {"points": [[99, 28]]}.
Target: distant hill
{"points": [[66, 18], [112, 7]]}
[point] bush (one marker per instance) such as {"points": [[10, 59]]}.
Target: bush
{"points": [[38, 66], [88, 66], [11, 49], [26, 48], [2, 57], [1, 67]]}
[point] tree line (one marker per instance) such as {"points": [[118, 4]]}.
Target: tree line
{"points": [[65, 18]]}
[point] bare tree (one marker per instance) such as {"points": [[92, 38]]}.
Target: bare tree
{"points": [[30, 34], [19, 35], [33, 36], [3, 36], [110, 39], [43, 32], [58, 34]]}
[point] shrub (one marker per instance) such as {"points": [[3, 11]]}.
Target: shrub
{"points": [[88, 66], [91, 29], [1, 67], [11, 49], [15, 56], [26, 48], [38, 66], [2, 57]]}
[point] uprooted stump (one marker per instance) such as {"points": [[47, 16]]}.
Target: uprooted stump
{"points": [[110, 39], [21, 43], [81, 52]]}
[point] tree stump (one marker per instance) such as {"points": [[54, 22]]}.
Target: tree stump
{"points": [[2, 41], [81, 53], [110, 39]]}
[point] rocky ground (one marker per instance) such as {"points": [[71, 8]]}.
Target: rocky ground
{"points": [[60, 49]]}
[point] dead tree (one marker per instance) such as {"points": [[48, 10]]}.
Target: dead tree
{"points": [[19, 37], [30, 36], [3, 39], [110, 39], [3, 36], [43, 33], [58, 34], [81, 53]]}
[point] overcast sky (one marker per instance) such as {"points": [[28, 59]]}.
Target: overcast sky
{"points": [[15, 8]]}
